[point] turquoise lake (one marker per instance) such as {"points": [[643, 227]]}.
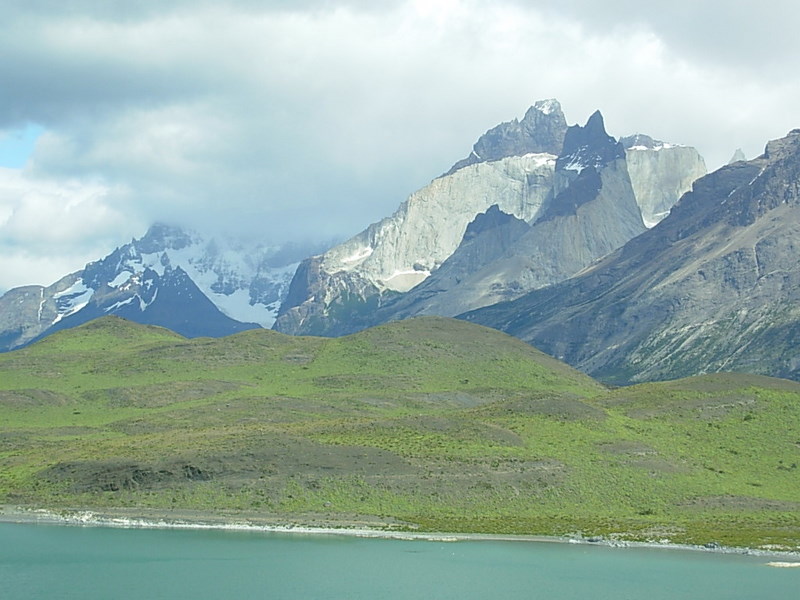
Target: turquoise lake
{"points": [[60, 562]]}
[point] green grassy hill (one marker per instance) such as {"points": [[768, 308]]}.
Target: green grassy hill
{"points": [[432, 422]]}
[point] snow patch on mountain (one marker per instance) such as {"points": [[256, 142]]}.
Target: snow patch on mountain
{"points": [[575, 162], [547, 107], [656, 148], [71, 300], [123, 277], [194, 284]]}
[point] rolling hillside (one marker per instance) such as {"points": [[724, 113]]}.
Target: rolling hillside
{"points": [[431, 423]]}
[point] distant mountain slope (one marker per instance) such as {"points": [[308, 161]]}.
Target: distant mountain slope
{"points": [[429, 423], [170, 277], [715, 286], [530, 170]]}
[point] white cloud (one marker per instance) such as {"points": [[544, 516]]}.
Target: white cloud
{"points": [[313, 119], [43, 227]]}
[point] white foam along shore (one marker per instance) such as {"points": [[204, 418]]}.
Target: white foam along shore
{"points": [[87, 518]]}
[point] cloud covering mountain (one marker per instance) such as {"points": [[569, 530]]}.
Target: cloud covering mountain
{"points": [[309, 120]]}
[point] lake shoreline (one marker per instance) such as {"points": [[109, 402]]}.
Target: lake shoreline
{"points": [[198, 520]]}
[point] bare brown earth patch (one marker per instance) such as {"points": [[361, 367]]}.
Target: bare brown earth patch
{"points": [[13, 440], [641, 456], [376, 382], [162, 394], [627, 448], [459, 429], [708, 408], [739, 503], [21, 398], [560, 408]]}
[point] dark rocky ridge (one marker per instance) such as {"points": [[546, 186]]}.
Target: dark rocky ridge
{"points": [[581, 190], [589, 146], [154, 291], [640, 139]]}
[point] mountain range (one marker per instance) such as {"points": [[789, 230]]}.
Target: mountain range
{"points": [[568, 196], [619, 256]]}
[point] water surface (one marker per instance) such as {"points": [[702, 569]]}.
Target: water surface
{"points": [[48, 561]]}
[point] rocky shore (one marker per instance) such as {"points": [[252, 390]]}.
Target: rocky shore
{"points": [[358, 526]]}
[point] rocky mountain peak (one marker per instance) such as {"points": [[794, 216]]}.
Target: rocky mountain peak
{"points": [[546, 107], [588, 146], [737, 156], [660, 173], [583, 189], [640, 141], [748, 189], [784, 147], [491, 219], [541, 130], [503, 221], [595, 125], [715, 286]]}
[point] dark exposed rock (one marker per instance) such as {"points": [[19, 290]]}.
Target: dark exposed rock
{"points": [[583, 188], [148, 280], [487, 239], [115, 476], [172, 300], [26, 312], [487, 221], [589, 146], [640, 140]]}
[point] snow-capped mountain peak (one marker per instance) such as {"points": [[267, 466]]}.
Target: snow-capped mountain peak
{"points": [[238, 278], [180, 279], [547, 107]]}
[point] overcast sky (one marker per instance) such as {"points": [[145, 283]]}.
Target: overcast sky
{"points": [[311, 119]]}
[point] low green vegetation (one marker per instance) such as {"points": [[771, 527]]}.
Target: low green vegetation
{"points": [[431, 423]]}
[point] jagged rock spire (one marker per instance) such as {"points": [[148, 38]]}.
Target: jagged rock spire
{"points": [[541, 130]]}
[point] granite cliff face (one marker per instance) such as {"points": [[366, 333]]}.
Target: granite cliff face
{"points": [[568, 198], [660, 174], [534, 203], [714, 287]]}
